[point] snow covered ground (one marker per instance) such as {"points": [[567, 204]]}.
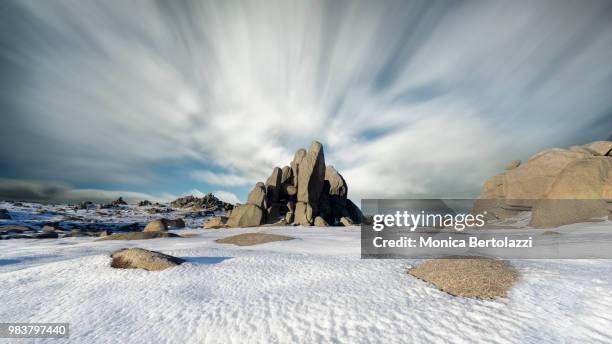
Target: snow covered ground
{"points": [[312, 289]]}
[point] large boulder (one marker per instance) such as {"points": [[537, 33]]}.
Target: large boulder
{"points": [[534, 179], [257, 196], [337, 185], [311, 175], [158, 225], [287, 175], [273, 185], [559, 186], [334, 203], [576, 195], [582, 179], [551, 213], [246, 215], [215, 223], [303, 214], [300, 154], [138, 258]]}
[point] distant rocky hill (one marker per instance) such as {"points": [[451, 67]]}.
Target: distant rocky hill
{"points": [[209, 202], [307, 192], [558, 186]]}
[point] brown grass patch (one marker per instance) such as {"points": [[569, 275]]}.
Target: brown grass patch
{"points": [[249, 239], [139, 236], [477, 277]]}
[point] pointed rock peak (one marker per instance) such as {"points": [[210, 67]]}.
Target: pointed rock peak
{"points": [[299, 155], [315, 146]]}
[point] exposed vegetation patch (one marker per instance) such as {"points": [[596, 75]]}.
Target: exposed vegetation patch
{"points": [[249, 239], [139, 236], [477, 277]]}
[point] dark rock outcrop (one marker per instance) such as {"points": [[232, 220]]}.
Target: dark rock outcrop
{"points": [[114, 204]]}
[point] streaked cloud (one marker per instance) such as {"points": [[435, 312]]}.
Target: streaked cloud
{"points": [[46, 191], [409, 97], [221, 179]]}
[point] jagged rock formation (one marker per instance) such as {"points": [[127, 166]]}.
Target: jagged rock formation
{"points": [[307, 192], [559, 186], [209, 202], [118, 202]]}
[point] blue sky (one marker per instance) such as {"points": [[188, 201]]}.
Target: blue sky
{"points": [[155, 99]]}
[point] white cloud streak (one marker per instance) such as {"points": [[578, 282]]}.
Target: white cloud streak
{"points": [[221, 179], [408, 98]]}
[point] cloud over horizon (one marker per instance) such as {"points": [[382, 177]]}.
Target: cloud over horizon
{"points": [[409, 98], [50, 191]]}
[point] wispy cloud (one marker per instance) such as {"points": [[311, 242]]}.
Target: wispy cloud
{"points": [[220, 178], [409, 98]]}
